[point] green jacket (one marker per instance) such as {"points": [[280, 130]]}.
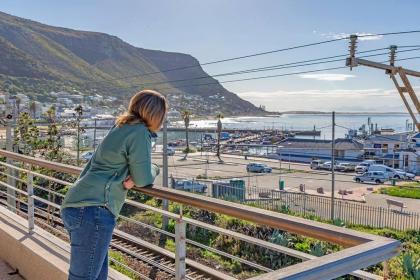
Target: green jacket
{"points": [[124, 151]]}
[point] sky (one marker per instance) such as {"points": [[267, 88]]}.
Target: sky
{"points": [[218, 29]]}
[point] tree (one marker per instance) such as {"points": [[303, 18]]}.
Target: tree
{"points": [[186, 117], [52, 144], [219, 116], [18, 101], [26, 136], [26, 139], [32, 109]]}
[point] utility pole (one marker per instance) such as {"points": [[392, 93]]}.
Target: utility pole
{"points": [[11, 202], [280, 155], [394, 72], [165, 204], [78, 114], [332, 165], [94, 135], [78, 142]]}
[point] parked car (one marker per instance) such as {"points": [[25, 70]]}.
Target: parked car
{"points": [[363, 166], [170, 151], [405, 175], [258, 167], [87, 156], [377, 177], [327, 166], [347, 167], [316, 164], [190, 185]]}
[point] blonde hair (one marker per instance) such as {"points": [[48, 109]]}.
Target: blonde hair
{"points": [[148, 107]]}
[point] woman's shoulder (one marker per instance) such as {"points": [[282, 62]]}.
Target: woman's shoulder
{"points": [[135, 129]]}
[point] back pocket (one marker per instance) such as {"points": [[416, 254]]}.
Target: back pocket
{"points": [[72, 217]]}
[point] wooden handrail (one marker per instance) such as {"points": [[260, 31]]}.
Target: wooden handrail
{"points": [[321, 231], [365, 249], [56, 166]]}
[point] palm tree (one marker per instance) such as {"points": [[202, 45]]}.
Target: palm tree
{"points": [[186, 117], [219, 116], [18, 101], [32, 109]]}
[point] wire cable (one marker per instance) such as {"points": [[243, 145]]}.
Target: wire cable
{"points": [[265, 53], [268, 68]]}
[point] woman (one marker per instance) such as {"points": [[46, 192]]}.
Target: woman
{"points": [[123, 159]]}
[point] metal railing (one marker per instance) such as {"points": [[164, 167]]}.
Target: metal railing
{"points": [[347, 211], [360, 249]]}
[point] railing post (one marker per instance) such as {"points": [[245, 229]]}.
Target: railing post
{"points": [[11, 201], [31, 205], [180, 252]]}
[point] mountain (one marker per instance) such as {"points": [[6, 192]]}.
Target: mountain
{"points": [[36, 58]]}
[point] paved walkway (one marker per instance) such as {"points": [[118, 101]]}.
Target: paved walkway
{"points": [[5, 270], [413, 205]]}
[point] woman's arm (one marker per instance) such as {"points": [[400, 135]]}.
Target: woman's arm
{"points": [[141, 170]]}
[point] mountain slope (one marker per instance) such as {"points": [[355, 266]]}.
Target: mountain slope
{"points": [[37, 57]]}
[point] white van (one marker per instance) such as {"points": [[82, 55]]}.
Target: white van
{"points": [[388, 171]]}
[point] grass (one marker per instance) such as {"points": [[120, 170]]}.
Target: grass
{"points": [[411, 190], [118, 267]]}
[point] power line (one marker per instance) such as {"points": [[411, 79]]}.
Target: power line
{"points": [[260, 77], [268, 68], [262, 53], [230, 59], [257, 78], [407, 58]]}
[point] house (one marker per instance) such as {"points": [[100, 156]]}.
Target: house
{"points": [[385, 147], [306, 150]]}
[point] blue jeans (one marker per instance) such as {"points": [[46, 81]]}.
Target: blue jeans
{"points": [[90, 229]]}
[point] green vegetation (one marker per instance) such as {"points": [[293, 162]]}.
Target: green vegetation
{"points": [[411, 190], [116, 259], [203, 176], [27, 140], [189, 150], [54, 59], [404, 266]]}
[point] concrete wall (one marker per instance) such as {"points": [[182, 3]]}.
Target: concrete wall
{"points": [[39, 255]]}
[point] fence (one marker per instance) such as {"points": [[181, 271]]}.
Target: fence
{"points": [[359, 249], [348, 211], [345, 210]]}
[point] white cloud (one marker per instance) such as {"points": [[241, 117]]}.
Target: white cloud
{"points": [[316, 92], [363, 36], [373, 99], [327, 77]]}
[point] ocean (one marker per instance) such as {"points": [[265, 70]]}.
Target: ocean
{"points": [[321, 122]]}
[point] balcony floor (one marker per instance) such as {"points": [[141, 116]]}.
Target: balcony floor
{"points": [[5, 269]]}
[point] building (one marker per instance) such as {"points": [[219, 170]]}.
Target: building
{"points": [[174, 115], [306, 150], [386, 148]]}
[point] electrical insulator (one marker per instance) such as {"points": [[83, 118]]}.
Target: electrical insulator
{"points": [[392, 52], [352, 49]]}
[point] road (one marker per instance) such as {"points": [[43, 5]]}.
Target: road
{"points": [[292, 174], [235, 167]]}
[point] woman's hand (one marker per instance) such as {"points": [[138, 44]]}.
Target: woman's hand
{"points": [[128, 183]]}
